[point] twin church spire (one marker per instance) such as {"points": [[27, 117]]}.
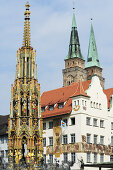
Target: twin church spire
{"points": [[74, 46], [75, 68], [92, 59]]}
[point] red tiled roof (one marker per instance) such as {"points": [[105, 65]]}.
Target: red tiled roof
{"points": [[80, 90], [108, 93], [62, 95]]}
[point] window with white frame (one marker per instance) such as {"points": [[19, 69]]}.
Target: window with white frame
{"points": [[101, 123], [111, 125], [95, 139], [97, 105], [88, 157], [73, 121], [101, 140], [95, 157], [73, 158], [6, 139], [100, 107], [91, 104], [2, 140], [65, 139], [75, 103], [51, 107], [94, 122], [2, 154], [50, 141], [51, 158], [50, 125], [111, 158], [65, 157], [94, 104], [111, 140], [88, 120], [44, 156], [60, 105], [6, 153], [44, 142], [101, 157], [42, 109], [83, 102], [78, 102], [44, 126], [73, 138], [88, 138]]}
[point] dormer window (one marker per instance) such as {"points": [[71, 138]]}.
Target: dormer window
{"points": [[60, 105], [51, 107], [43, 109]]}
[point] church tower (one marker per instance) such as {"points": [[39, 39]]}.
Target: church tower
{"points": [[25, 123], [74, 62], [93, 65]]}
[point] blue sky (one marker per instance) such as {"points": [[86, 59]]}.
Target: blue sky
{"points": [[50, 33]]}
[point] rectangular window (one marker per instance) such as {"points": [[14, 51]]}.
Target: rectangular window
{"points": [[64, 139], [111, 125], [44, 126], [44, 159], [78, 102], [83, 102], [73, 121], [65, 157], [88, 157], [111, 140], [101, 140], [44, 142], [51, 141], [111, 158], [88, 120], [94, 122], [51, 158], [73, 138], [50, 125], [101, 157], [2, 154], [88, 138], [95, 139], [2, 139], [6, 153], [60, 105], [73, 157], [101, 123], [51, 107], [43, 109], [6, 139], [95, 157]]}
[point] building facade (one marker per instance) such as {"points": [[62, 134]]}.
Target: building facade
{"points": [[85, 109]]}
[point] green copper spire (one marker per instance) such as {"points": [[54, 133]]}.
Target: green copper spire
{"points": [[74, 22], [74, 46], [92, 59]]}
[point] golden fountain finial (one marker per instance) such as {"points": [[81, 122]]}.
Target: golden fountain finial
{"points": [[26, 38]]}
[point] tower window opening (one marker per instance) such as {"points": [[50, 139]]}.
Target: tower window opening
{"points": [[23, 66], [27, 67]]}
